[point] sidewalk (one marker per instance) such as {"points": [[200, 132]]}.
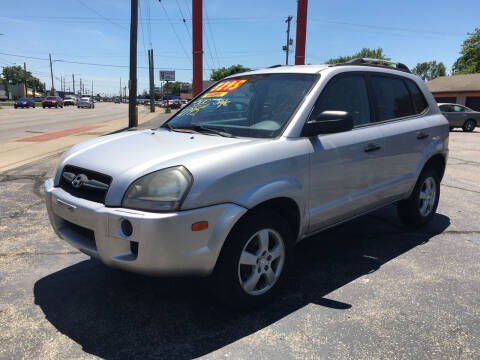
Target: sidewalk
{"points": [[23, 151]]}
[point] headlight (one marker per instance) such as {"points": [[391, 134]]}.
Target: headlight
{"points": [[57, 165], [162, 190]]}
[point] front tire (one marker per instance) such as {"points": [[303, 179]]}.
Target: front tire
{"points": [[469, 125], [254, 260], [420, 207]]}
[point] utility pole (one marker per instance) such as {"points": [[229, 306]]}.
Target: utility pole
{"points": [[150, 67], [286, 48], [132, 86], [120, 88], [92, 88], [80, 90], [52, 90], [301, 32], [25, 78], [197, 47], [73, 81]]}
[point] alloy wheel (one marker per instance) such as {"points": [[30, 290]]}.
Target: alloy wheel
{"points": [[261, 262], [428, 194]]}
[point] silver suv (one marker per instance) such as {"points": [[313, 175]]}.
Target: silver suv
{"points": [[261, 160]]}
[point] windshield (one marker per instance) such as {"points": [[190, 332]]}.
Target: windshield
{"points": [[251, 106], [51, 98], [22, 99], [85, 99]]}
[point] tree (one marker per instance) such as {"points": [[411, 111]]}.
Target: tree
{"points": [[469, 62], [219, 74], [364, 53], [15, 75], [177, 87], [430, 70], [173, 88]]}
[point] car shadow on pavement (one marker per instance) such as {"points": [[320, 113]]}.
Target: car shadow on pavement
{"points": [[114, 314]]}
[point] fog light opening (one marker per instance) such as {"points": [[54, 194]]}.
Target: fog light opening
{"points": [[134, 247], [127, 227]]}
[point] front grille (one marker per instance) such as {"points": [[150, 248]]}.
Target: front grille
{"points": [[94, 185]]}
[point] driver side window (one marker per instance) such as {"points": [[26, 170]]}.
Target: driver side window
{"points": [[345, 93]]}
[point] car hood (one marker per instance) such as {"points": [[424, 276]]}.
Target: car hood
{"points": [[129, 155]]}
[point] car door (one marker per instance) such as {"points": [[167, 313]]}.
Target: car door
{"points": [[346, 167], [446, 111], [458, 115], [400, 107]]}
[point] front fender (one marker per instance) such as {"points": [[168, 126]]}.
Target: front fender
{"points": [[274, 188], [284, 187]]}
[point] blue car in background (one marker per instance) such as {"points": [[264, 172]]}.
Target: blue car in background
{"points": [[24, 102]]}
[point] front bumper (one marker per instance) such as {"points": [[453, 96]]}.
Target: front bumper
{"points": [[161, 243]]}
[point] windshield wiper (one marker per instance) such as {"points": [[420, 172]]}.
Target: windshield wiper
{"points": [[198, 129], [203, 128]]}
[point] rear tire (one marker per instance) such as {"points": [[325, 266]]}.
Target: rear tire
{"points": [[469, 125], [420, 207], [254, 261]]}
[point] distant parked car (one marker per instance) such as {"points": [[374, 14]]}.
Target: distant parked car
{"points": [[117, 101], [86, 102], [39, 98], [24, 103], [70, 100], [175, 104], [460, 116], [52, 101]]}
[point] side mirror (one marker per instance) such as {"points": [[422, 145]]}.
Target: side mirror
{"points": [[328, 122]]}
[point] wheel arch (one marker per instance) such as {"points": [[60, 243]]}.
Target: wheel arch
{"points": [[438, 163], [286, 207]]}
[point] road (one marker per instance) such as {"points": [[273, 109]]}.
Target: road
{"points": [[367, 289], [21, 123]]}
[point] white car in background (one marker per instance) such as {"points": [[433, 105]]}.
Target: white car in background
{"points": [[70, 100], [86, 102]]}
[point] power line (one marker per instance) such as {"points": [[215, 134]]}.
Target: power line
{"points": [[141, 26], [183, 19], [208, 43], [91, 64], [175, 32], [149, 23], [102, 16], [211, 34]]}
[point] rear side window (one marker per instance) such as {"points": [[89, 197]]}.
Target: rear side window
{"points": [[445, 108], [457, 108], [393, 98], [346, 93], [417, 96]]}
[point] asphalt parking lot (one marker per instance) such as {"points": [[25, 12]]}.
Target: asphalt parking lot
{"points": [[367, 289]]}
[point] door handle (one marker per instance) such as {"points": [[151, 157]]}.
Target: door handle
{"points": [[372, 147], [422, 135]]}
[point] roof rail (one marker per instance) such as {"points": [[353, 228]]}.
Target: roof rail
{"points": [[376, 62], [274, 66]]}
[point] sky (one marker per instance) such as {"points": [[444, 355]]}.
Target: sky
{"points": [[246, 32]]}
